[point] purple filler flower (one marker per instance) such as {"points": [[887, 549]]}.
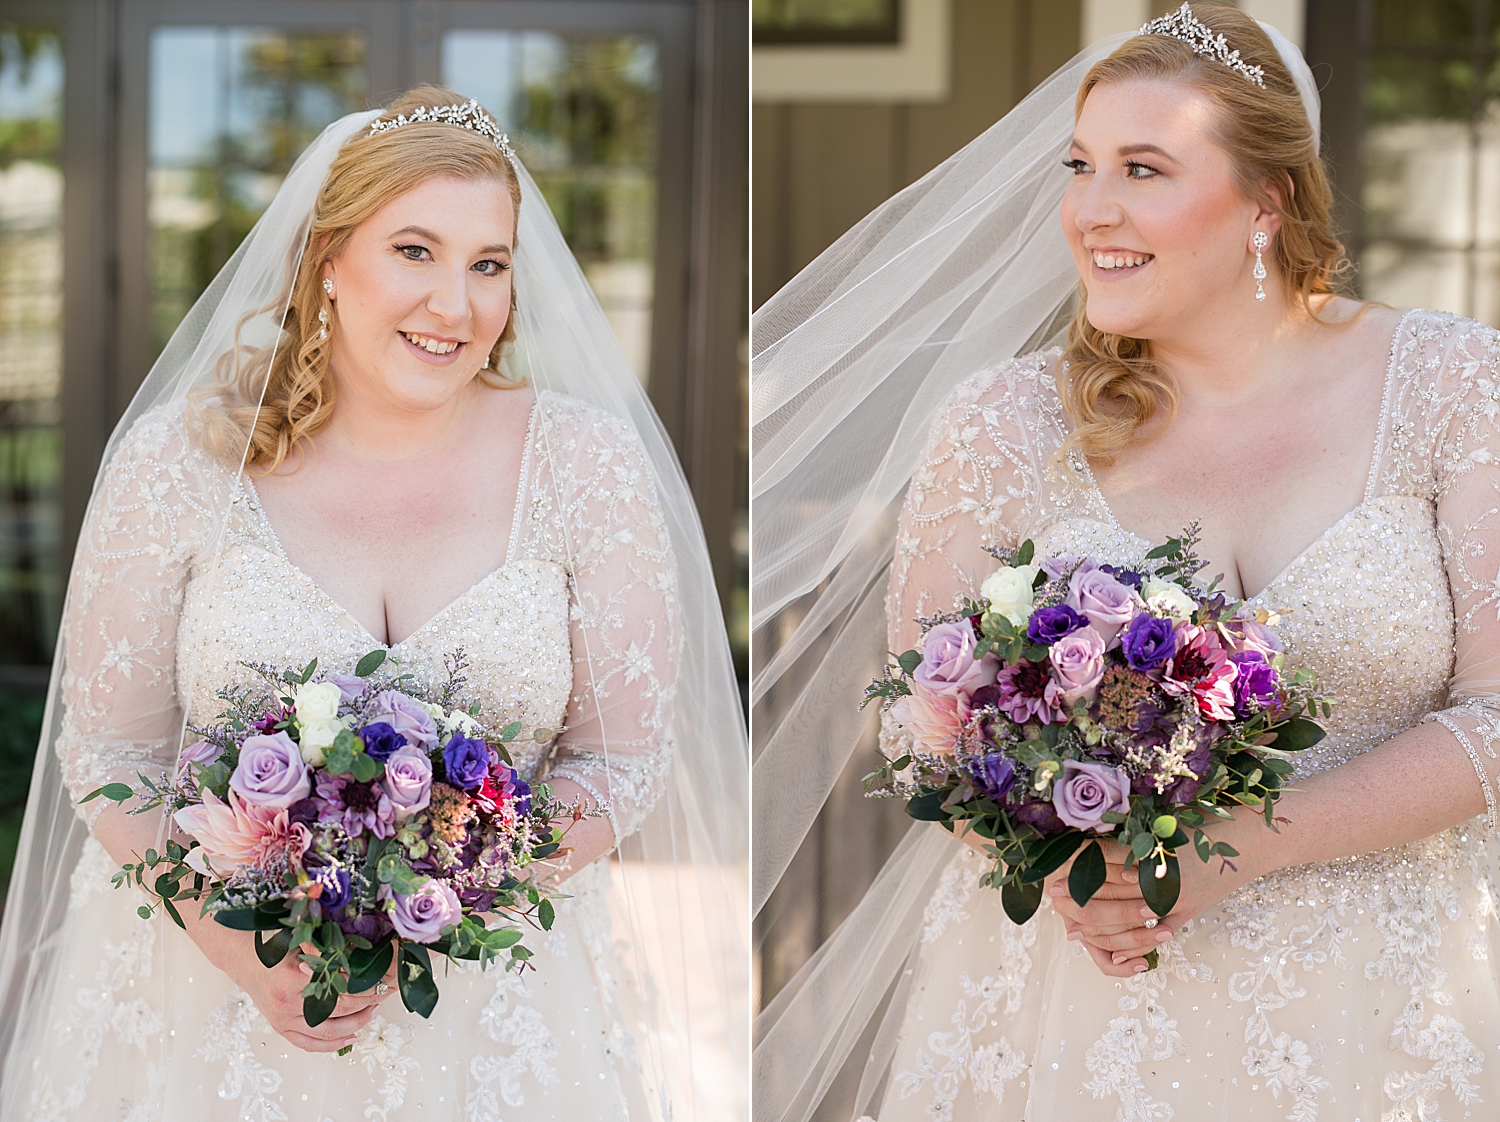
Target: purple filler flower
{"points": [[467, 761], [994, 774], [405, 716], [423, 914], [1086, 791], [1048, 625], [1255, 688], [271, 772], [1148, 642], [381, 741], [356, 806]]}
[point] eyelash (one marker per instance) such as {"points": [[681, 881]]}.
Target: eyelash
{"points": [[500, 266], [1077, 168]]}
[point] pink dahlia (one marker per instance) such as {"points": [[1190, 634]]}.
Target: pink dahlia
{"points": [[935, 719], [236, 834]]}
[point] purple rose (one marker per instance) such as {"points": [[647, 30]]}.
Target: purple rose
{"points": [[1086, 791], [1105, 602], [994, 774], [1078, 665], [422, 915], [405, 716], [271, 772], [199, 754], [467, 761], [336, 889], [381, 741], [1048, 625], [351, 687], [408, 782], [1255, 688], [1058, 567], [948, 663], [1148, 642], [1251, 636]]}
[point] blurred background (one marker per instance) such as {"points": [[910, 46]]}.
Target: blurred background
{"points": [[141, 139], [855, 99]]}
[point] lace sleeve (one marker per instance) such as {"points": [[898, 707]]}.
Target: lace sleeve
{"points": [[144, 530], [1465, 402], [976, 483], [626, 636]]}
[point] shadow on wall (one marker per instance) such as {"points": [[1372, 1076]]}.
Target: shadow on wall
{"points": [[20, 729]]}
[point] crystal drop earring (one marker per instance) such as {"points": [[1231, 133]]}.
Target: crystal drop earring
{"points": [[1261, 240], [486, 365], [323, 324]]}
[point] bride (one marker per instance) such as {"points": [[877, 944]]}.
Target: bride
{"points": [[397, 421], [1341, 460]]}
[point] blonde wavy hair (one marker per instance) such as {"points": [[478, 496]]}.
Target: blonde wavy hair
{"points": [[1109, 384], [298, 396]]}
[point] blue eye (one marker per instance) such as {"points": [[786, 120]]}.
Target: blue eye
{"points": [[411, 252], [499, 267]]}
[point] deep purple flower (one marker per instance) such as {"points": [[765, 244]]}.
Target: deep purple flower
{"points": [[381, 741], [372, 925], [356, 806], [1182, 789], [336, 887], [1148, 642], [467, 761], [1124, 576], [1028, 693], [477, 899], [306, 811], [994, 774], [269, 720], [1255, 688], [1048, 625], [1040, 815]]}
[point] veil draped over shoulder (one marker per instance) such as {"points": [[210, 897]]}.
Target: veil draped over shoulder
{"points": [[850, 362], [678, 881]]}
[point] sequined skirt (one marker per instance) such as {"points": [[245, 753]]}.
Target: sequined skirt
{"points": [[1359, 991]]}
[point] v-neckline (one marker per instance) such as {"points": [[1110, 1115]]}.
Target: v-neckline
{"points": [[512, 534], [1366, 498]]}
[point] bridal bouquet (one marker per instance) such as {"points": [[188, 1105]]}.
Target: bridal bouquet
{"points": [[1076, 701], [361, 818]]}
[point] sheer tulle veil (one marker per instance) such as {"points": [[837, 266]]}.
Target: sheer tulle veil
{"points": [[961, 270], [680, 880]]}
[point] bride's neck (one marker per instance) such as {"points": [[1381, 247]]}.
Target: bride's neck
{"points": [[366, 426]]}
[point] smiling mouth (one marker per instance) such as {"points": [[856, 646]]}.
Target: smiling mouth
{"points": [[431, 346], [1110, 262]]}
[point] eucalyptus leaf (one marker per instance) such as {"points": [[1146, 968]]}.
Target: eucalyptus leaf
{"points": [[1021, 901], [1087, 875], [318, 1005], [1052, 857], [273, 950], [1297, 734], [369, 664], [909, 661]]}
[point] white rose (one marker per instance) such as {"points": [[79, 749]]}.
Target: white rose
{"points": [[316, 737], [1008, 591], [1167, 599], [317, 701], [433, 711], [459, 721]]}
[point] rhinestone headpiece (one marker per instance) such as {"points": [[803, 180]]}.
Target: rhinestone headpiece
{"points": [[470, 115], [1183, 25]]}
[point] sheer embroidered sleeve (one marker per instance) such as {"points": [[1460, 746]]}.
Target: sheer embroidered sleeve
{"points": [[626, 635], [149, 521], [1462, 405], [977, 484]]}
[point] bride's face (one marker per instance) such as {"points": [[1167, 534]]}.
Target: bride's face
{"points": [[422, 292], [1159, 229]]}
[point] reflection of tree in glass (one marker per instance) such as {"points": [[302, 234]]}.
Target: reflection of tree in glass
{"points": [[34, 136], [294, 85], [589, 138]]}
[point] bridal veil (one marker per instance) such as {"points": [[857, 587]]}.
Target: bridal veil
{"points": [[965, 268], [678, 882]]}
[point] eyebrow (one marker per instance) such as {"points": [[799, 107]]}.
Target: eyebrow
{"points": [[1131, 149], [423, 232]]}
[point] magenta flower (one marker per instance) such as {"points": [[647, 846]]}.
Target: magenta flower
{"points": [[1200, 667], [356, 806], [1028, 693]]}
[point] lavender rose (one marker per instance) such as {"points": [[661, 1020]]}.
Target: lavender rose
{"points": [[406, 716], [199, 754], [422, 915], [408, 782], [351, 687], [1104, 601], [467, 761], [1255, 687], [948, 662], [1148, 642], [271, 772], [1078, 665], [1058, 567], [1086, 791], [1048, 625]]}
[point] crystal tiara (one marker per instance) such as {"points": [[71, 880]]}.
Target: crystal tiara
{"points": [[470, 115], [1183, 25]]}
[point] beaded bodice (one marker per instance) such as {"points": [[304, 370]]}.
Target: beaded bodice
{"points": [[1369, 605], [180, 579]]}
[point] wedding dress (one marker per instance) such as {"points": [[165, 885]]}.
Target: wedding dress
{"points": [[1364, 989], [550, 1044]]}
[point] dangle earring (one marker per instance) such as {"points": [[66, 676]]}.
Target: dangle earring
{"points": [[486, 365], [323, 324], [1259, 272]]}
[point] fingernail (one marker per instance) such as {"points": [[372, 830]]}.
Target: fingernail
{"points": [[1140, 966], [1057, 890], [1163, 936], [1130, 876], [1074, 935], [1146, 912], [1121, 958]]}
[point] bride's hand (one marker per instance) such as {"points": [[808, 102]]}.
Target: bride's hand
{"points": [[1112, 925], [277, 992]]}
